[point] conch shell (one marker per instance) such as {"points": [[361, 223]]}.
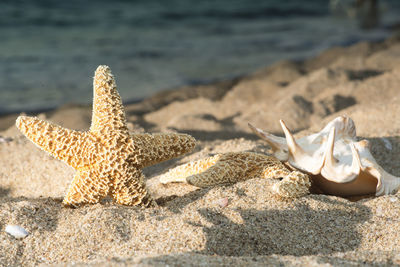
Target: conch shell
{"points": [[339, 164]]}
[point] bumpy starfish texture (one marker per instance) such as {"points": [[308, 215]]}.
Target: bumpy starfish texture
{"points": [[239, 166], [107, 158]]}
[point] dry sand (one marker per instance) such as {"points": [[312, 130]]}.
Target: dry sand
{"points": [[193, 227]]}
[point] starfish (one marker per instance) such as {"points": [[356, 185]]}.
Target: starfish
{"points": [[228, 168], [108, 159]]}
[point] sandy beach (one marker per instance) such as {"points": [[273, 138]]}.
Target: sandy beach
{"points": [[241, 224]]}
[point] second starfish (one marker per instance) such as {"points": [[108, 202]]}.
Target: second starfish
{"points": [[233, 167]]}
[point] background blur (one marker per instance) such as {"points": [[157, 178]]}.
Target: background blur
{"points": [[50, 49]]}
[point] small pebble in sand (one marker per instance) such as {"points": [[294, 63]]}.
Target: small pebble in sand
{"points": [[393, 199], [379, 211], [387, 143], [5, 139], [222, 202], [16, 231]]}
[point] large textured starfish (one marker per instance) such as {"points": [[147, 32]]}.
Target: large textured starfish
{"points": [[233, 167], [107, 158]]}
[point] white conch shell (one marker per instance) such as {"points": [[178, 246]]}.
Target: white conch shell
{"points": [[339, 164]]}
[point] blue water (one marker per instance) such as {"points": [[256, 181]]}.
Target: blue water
{"points": [[50, 49]]}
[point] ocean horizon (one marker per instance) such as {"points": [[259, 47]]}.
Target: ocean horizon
{"points": [[50, 49]]}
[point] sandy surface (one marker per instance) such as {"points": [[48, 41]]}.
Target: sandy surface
{"points": [[192, 226]]}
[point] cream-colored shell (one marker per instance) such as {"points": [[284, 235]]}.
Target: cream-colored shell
{"points": [[107, 158], [339, 163]]}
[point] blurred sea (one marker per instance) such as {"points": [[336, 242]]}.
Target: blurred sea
{"points": [[49, 49]]}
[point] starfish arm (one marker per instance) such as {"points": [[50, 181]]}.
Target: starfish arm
{"points": [[296, 184], [61, 143], [155, 148], [132, 192], [233, 167], [108, 112], [88, 186], [226, 170], [274, 169], [180, 173], [220, 169]]}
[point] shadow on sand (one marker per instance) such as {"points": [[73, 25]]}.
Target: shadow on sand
{"points": [[298, 231]]}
